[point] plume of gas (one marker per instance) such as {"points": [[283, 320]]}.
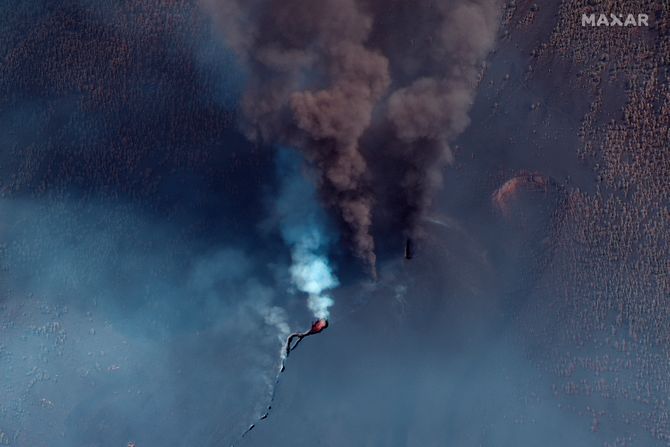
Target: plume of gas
{"points": [[304, 228], [359, 85]]}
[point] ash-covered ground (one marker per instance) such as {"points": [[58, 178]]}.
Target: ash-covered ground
{"points": [[145, 277]]}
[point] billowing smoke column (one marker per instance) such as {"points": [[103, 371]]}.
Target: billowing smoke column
{"points": [[303, 227], [359, 86]]}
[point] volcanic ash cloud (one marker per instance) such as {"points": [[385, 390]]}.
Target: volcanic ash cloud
{"points": [[353, 84]]}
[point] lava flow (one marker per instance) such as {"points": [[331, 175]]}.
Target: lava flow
{"points": [[317, 327]]}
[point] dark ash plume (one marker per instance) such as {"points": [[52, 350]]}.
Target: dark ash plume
{"points": [[356, 83]]}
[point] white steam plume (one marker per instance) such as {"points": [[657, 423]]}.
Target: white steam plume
{"points": [[303, 227]]}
